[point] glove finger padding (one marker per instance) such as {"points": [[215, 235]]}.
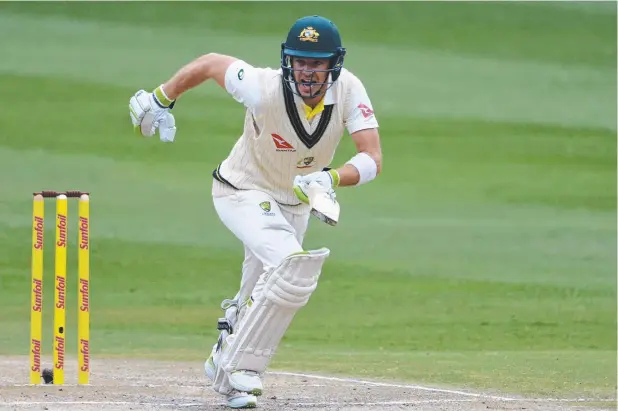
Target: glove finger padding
{"points": [[300, 189], [148, 125], [136, 110], [143, 99], [139, 106], [167, 128]]}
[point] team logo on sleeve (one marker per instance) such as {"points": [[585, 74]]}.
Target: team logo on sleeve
{"points": [[309, 34], [365, 111], [241, 74]]}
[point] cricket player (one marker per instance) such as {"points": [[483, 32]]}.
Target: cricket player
{"points": [[275, 178]]}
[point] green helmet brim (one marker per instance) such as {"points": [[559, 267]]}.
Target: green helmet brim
{"points": [[309, 54]]}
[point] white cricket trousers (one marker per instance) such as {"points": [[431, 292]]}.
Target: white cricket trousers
{"points": [[269, 231]]}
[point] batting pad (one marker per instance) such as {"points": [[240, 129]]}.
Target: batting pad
{"points": [[287, 289]]}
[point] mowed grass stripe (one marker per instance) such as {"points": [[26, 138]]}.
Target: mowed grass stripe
{"points": [[534, 316], [142, 203], [436, 83], [573, 33], [467, 215], [470, 161]]}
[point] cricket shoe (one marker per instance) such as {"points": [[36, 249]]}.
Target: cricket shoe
{"points": [[235, 399], [239, 399], [210, 366], [246, 381]]}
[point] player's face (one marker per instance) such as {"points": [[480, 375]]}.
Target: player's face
{"points": [[306, 77]]}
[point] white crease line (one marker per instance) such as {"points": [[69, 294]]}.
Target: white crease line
{"points": [[386, 384], [443, 390]]}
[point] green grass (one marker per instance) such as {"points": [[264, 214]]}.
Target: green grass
{"points": [[483, 257]]}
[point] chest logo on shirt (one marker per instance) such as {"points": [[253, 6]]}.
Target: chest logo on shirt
{"points": [[306, 162], [281, 144]]}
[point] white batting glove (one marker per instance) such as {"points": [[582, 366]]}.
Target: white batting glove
{"points": [[327, 180], [151, 110], [167, 128], [317, 190]]}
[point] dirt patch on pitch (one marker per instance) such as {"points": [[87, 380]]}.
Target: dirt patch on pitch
{"points": [[153, 385]]}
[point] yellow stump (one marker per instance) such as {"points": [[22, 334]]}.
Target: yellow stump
{"points": [[60, 288], [36, 305], [83, 290]]}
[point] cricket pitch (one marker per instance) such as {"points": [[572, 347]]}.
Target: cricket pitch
{"points": [[154, 385]]}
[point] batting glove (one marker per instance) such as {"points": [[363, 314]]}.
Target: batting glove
{"points": [[149, 111], [327, 180]]}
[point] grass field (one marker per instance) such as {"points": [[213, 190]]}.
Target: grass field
{"points": [[484, 256]]}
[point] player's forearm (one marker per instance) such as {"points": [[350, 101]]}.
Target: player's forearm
{"points": [[189, 76], [349, 175]]}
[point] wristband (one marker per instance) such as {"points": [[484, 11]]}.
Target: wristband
{"points": [[366, 166], [334, 176], [162, 99]]}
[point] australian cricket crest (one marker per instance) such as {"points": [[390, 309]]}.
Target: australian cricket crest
{"points": [[306, 162], [265, 205], [309, 34]]}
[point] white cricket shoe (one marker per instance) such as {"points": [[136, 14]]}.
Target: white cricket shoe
{"points": [[239, 399], [236, 399], [210, 368], [246, 381]]}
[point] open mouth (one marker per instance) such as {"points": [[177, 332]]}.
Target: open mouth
{"points": [[306, 86]]}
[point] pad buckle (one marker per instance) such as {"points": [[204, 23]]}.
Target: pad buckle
{"points": [[223, 324]]}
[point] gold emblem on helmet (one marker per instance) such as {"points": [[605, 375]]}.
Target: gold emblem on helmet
{"points": [[309, 34]]}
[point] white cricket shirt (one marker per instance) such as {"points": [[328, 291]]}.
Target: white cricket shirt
{"points": [[271, 151]]}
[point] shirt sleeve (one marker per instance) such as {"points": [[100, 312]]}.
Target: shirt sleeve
{"points": [[358, 110], [243, 83]]}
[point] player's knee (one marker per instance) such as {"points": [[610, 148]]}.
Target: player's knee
{"points": [[274, 255], [295, 279]]}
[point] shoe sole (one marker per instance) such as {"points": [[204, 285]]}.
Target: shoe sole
{"points": [[248, 404], [254, 391]]}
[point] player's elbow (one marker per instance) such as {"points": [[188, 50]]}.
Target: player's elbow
{"points": [[368, 143], [213, 57], [208, 62], [214, 66], [377, 157]]}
